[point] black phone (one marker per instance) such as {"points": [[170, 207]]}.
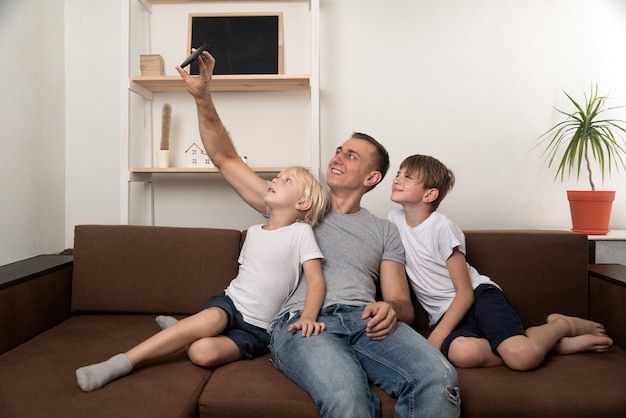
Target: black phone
{"points": [[191, 58]]}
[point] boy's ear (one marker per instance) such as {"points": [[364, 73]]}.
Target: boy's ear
{"points": [[304, 204], [431, 195]]}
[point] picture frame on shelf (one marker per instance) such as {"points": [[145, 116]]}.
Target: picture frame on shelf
{"points": [[242, 43]]}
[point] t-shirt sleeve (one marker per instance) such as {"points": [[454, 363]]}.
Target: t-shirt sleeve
{"points": [[450, 237], [393, 250], [308, 245]]}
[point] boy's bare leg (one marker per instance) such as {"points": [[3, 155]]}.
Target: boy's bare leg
{"points": [[582, 344], [207, 323], [213, 352], [472, 352], [561, 334], [578, 326], [589, 336]]}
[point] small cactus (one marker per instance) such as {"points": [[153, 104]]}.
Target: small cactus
{"points": [[166, 123]]}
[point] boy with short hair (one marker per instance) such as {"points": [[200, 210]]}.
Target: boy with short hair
{"points": [[472, 321]]}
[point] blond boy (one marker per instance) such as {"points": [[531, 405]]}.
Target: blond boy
{"points": [[233, 325]]}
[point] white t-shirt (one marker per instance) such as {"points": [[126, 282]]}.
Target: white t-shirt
{"points": [[269, 270], [428, 246]]}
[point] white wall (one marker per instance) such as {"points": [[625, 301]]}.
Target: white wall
{"points": [[32, 132], [471, 82], [94, 56]]}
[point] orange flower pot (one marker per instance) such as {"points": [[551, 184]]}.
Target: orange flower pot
{"points": [[591, 210]]}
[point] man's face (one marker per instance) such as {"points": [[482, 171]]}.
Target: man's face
{"points": [[351, 164]]}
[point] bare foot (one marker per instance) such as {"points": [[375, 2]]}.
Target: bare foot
{"points": [[579, 326], [583, 344]]}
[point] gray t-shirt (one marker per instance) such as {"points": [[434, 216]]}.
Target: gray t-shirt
{"points": [[353, 245]]}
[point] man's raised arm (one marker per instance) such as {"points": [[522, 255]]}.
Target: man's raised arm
{"points": [[216, 140]]}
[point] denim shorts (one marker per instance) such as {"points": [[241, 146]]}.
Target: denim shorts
{"points": [[491, 317], [251, 340]]}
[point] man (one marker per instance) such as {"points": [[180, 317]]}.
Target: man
{"points": [[365, 340]]}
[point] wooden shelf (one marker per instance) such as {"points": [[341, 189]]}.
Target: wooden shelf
{"points": [[255, 82], [208, 1], [186, 170], [146, 88]]}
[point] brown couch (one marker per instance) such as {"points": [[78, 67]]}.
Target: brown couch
{"points": [[61, 318]]}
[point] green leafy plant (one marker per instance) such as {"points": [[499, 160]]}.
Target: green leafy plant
{"points": [[585, 131]]}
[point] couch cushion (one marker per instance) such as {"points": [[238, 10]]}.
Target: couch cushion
{"points": [[38, 378], [580, 385], [235, 386], [122, 268]]}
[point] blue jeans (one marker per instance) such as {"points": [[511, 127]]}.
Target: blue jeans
{"points": [[336, 366]]}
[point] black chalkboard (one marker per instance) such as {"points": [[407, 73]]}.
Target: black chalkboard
{"points": [[240, 44]]}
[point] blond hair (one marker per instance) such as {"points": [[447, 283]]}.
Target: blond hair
{"points": [[312, 190]]}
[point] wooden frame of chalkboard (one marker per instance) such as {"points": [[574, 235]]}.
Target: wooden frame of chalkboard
{"points": [[241, 43]]}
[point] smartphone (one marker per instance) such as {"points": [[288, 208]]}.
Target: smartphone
{"points": [[191, 58]]}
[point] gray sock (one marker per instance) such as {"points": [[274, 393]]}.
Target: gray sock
{"points": [[97, 375], [166, 321]]}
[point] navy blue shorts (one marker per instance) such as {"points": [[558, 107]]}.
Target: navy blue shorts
{"points": [[491, 317], [251, 340]]}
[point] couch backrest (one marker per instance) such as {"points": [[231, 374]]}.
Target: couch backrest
{"points": [[146, 269], [541, 272]]}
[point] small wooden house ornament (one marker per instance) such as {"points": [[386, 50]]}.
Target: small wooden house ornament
{"points": [[197, 157]]}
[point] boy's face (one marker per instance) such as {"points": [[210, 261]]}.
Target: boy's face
{"points": [[408, 189], [285, 190]]}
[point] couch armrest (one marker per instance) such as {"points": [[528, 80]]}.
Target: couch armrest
{"points": [[607, 299], [34, 296]]}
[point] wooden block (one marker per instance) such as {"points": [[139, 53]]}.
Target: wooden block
{"points": [[151, 65]]}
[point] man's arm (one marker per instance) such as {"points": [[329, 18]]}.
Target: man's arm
{"points": [[396, 304], [216, 140]]}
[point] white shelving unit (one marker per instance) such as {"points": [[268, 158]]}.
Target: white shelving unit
{"points": [[141, 91]]}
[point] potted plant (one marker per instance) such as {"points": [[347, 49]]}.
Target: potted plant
{"points": [[585, 134]]}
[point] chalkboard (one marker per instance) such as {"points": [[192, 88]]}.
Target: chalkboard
{"points": [[249, 43]]}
